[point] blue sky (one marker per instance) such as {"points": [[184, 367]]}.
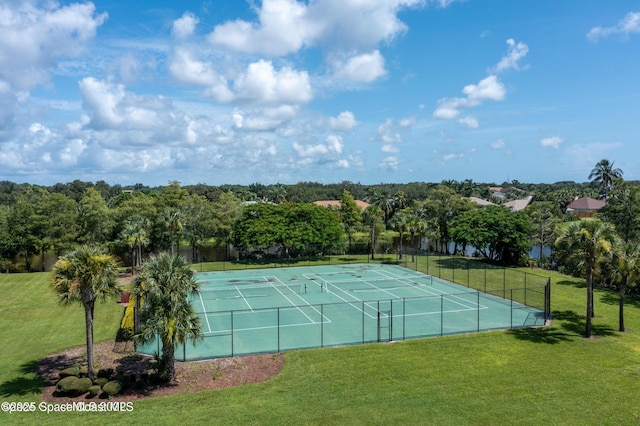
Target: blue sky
{"points": [[284, 91]]}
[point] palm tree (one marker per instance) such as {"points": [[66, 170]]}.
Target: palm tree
{"points": [[165, 284], [173, 219], [399, 223], [604, 175], [626, 267], [586, 242], [415, 226], [383, 202], [135, 236], [85, 275], [370, 216]]}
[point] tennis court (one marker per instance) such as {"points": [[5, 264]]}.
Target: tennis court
{"points": [[273, 310]]}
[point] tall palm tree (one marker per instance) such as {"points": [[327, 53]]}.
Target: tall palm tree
{"points": [[626, 267], [165, 284], [382, 201], [173, 220], [415, 226], [399, 223], [135, 236], [586, 242], [604, 175], [370, 216], [85, 275]]}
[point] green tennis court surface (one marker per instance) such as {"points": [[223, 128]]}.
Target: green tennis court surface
{"points": [[273, 310]]}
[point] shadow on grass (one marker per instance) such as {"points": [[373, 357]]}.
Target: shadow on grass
{"points": [[546, 335], [573, 283], [28, 383], [576, 324], [613, 298]]}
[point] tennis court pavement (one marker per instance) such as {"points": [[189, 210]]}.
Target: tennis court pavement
{"points": [[273, 310]]}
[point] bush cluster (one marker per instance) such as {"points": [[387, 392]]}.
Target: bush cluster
{"points": [[73, 382]]}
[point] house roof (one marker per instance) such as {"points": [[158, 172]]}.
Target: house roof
{"points": [[517, 205], [481, 202], [586, 204], [336, 203]]}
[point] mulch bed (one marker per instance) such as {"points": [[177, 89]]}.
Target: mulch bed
{"points": [[192, 376]]}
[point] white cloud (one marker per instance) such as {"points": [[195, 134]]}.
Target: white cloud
{"points": [[286, 26], [407, 122], [469, 121], [628, 25], [498, 144], [390, 149], [344, 122], [387, 132], [184, 26], [332, 146], [515, 52], [264, 119], [364, 68], [34, 35], [186, 68], [262, 83], [551, 142], [389, 163], [489, 88], [450, 157]]}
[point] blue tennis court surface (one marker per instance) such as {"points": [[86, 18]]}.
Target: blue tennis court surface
{"points": [[273, 310]]}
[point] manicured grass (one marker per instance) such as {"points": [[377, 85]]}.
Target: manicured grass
{"points": [[548, 375]]}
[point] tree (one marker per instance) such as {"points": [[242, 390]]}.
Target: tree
{"points": [[399, 223], [172, 218], [497, 233], [85, 275], [291, 227], [544, 217], [586, 242], [383, 201], [415, 226], [165, 284], [350, 214], [440, 209], [373, 217], [94, 218], [135, 236], [198, 223], [225, 212], [623, 210], [603, 175], [626, 268]]}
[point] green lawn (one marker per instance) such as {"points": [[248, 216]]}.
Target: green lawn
{"points": [[530, 376]]}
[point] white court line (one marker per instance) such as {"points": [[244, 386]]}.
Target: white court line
{"points": [[451, 296], [291, 301], [204, 312], [350, 303], [301, 324], [303, 300]]}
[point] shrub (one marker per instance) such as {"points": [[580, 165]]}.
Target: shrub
{"points": [[112, 388], [94, 390], [101, 381], [70, 372], [64, 385], [73, 386]]}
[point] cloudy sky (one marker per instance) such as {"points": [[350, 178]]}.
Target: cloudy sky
{"points": [[283, 91]]}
